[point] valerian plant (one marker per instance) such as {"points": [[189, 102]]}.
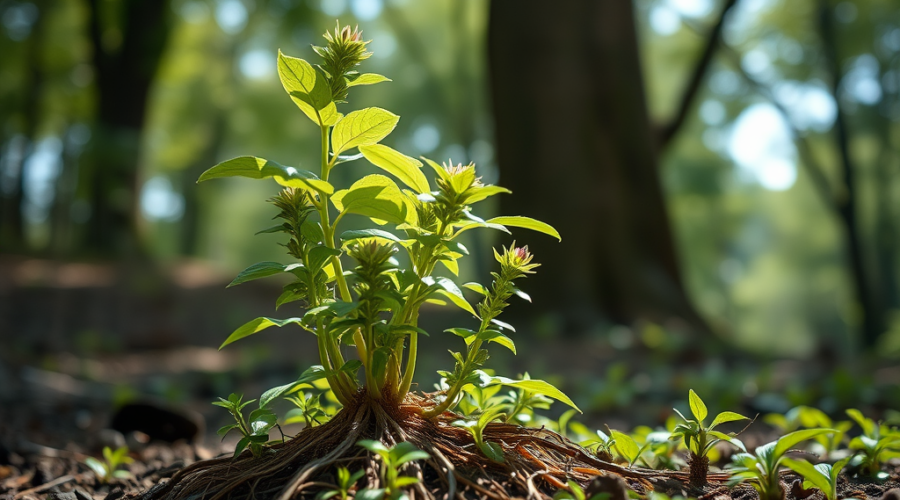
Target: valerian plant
{"points": [[877, 444], [365, 288], [108, 469]]}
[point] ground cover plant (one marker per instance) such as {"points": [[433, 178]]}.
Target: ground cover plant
{"points": [[361, 292]]}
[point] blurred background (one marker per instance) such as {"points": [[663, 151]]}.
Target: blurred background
{"points": [[725, 175]]}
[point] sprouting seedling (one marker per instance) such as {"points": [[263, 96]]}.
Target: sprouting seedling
{"points": [[877, 444], [255, 429], [108, 469], [821, 476], [761, 468], [476, 427], [662, 449], [392, 459], [626, 447], [700, 439], [599, 442], [308, 409], [344, 483]]}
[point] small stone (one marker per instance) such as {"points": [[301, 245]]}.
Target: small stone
{"points": [[891, 494], [62, 495], [82, 495], [614, 486], [115, 494]]}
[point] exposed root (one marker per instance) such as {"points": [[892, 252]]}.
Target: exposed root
{"points": [[538, 461]]}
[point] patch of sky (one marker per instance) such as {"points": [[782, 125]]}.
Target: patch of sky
{"points": [[159, 202], [366, 10], [333, 8], [231, 15], [761, 145], [257, 64], [860, 83], [40, 171]]}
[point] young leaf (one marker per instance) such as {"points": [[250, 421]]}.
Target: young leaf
{"points": [[369, 233], [536, 386], [526, 223], [255, 326], [257, 271], [408, 170], [497, 337], [308, 89], [625, 446], [362, 128], [809, 473], [698, 408], [452, 292], [367, 79], [727, 416], [373, 196], [788, 441], [310, 375], [252, 167]]}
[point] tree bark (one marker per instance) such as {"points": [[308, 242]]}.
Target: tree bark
{"points": [[575, 145], [126, 57]]}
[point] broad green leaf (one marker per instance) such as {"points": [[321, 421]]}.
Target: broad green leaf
{"points": [[477, 287], [499, 338], [367, 79], [369, 233], [404, 452], [810, 473], [476, 194], [867, 425], [788, 441], [374, 196], [536, 386], [255, 326], [455, 296], [526, 223], [727, 416], [310, 375], [408, 170], [698, 408], [625, 446], [252, 167], [452, 265], [308, 89], [257, 271], [96, 466], [318, 256], [729, 439], [374, 446], [362, 128]]}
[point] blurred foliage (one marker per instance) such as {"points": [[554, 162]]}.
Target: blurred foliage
{"points": [[763, 256]]}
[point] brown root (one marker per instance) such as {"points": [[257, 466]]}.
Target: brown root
{"points": [[537, 461]]}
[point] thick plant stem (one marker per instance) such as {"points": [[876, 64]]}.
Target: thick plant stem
{"points": [[333, 381], [327, 229]]}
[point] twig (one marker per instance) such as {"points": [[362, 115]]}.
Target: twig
{"points": [[46, 486]]}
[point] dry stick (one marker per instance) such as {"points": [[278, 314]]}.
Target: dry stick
{"points": [[311, 467], [451, 471], [46, 486]]}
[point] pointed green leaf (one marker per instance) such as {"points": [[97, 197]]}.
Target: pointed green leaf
{"points": [[810, 473], [367, 79], [536, 386], [252, 167], [625, 446], [369, 233], [499, 338], [698, 408], [308, 89], [788, 441], [478, 193], [310, 375], [526, 223], [362, 128], [257, 271], [374, 196], [408, 170], [727, 416], [255, 326]]}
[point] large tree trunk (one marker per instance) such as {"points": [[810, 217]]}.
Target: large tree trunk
{"points": [[126, 57], [576, 147]]}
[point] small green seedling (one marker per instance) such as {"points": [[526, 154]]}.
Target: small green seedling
{"points": [[108, 469], [700, 439], [345, 482], [821, 476], [308, 409], [392, 459], [598, 442], [576, 492], [255, 429], [476, 427], [761, 469], [662, 449], [877, 444], [811, 418], [626, 447]]}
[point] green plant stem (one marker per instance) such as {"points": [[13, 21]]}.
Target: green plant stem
{"points": [[454, 390], [333, 380], [327, 228]]}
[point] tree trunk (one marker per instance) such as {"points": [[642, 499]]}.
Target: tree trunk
{"points": [[126, 57], [576, 147]]}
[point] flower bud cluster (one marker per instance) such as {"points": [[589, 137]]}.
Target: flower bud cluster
{"points": [[373, 274], [343, 52], [456, 185], [515, 263], [295, 207]]}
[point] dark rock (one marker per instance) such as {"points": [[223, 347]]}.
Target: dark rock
{"points": [[115, 494], [82, 495], [891, 494], [158, 423], [64, 495], [613, 485]]}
